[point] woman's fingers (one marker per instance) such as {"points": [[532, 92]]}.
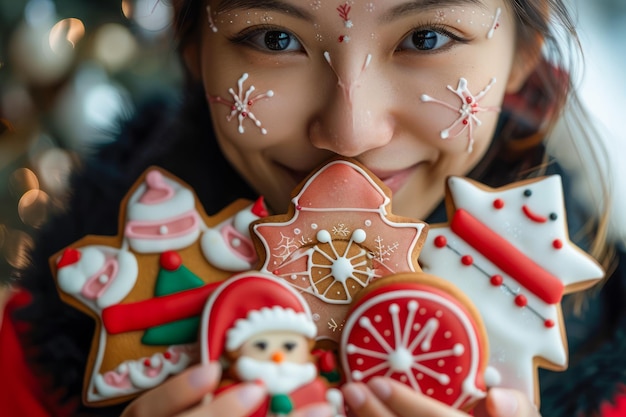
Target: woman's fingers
{"points": [[384, 397], [239, 401], [501, 402], [177, 394]]}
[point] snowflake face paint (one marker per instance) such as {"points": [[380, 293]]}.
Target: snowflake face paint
{"points": [[242, 102], [468, 110], [347, 77]]}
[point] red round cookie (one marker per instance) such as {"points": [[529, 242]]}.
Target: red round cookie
{"points": [[420, 331]]}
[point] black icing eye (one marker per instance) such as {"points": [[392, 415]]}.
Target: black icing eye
{"points": [[289, 346], [261, 345], [553, 216], [528, 193]]}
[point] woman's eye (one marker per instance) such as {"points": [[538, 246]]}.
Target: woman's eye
{"points": [[424, 40], [274, 40]]}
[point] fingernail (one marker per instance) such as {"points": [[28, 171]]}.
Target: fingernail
{"points": [[354, 394], [504, 401], [250, 395], [321, 410], [204, 375], [380, 387]]}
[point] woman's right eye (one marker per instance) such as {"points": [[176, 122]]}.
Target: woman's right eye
{"points": [[272, 40]]}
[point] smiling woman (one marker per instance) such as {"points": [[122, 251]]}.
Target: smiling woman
{"points": [[413, 90]]}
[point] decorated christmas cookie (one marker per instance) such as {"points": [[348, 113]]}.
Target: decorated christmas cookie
{"points": [[419, 330], [146, 287], [508, 249], [338, 236], [268, 339]]}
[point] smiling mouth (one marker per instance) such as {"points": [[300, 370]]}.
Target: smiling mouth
{"points": [[396, 179]]}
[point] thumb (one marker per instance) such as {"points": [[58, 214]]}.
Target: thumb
{"points": [[502, 402]]}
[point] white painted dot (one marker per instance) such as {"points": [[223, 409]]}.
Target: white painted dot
{"points": [[378, 318], [103, 279], [235, 243], [163, 230]]}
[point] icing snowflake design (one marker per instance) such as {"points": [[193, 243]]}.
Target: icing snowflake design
{"points": [[407, 334], [508, 250], [344, 13], [210, 19], [468, 110], [242, 102]]}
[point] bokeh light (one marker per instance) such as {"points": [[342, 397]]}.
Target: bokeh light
{"points": [[23, 180], [66, 32], [54, 166], [33, 208], [151, 15], [114, 46], [16, 247]]}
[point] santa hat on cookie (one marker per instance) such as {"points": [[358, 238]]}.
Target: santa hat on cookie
{"points": [[249, 304]]}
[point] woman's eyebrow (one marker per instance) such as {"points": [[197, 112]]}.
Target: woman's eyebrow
{"points": [[400, 10], [268, 5]]}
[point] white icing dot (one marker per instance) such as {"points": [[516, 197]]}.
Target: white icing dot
{"points": [[103, 279], [438, 314], [366, 339], [430, 391], [420, 376], [378, 318], [447, 335], [394, 308], [364, 321], [357, 375], [444, 379], [163, 230], [412, 305], [293, 277], [350, 348], [417, 326], [359, 236], [235, 243], [323, 236], [441, 362], [422, 311], [449, 391], [368, 223], [297, 231], [360, 361], [316, 317], [314, 226], [458, 369], [458, 349], [403, 378], [387, 332]]}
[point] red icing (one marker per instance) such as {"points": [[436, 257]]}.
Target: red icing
{"points": [[170, 260], [259, 209], [426, 371], [70, 256], [498, 203], [521, 300], [507, 257], [467, 260], [549, 323], [441, 241], [337, 186], [557, 244], [537, 218], [156, 311], [496, 280]]}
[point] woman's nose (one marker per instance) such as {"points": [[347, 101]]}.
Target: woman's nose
{"points": [[354, 118]]}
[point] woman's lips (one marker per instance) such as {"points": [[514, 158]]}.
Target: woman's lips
{"points": [[394, 179]]}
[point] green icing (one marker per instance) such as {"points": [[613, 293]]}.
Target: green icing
{"points": [[178, 332], [281, 404]]}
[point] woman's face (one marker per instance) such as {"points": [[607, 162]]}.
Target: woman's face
{"points": [[409, 88]]}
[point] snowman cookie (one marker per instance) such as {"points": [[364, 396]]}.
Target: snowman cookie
{"points": [[508, 250], [338, 237], [146, 287]]}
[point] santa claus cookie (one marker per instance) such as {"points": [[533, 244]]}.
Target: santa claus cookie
{"points": [[146, 287], [338, 236], [268, 339], [419, 330], [508, 249]]}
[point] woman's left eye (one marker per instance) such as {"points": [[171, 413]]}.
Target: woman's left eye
{"points": [[274, 41], [425, 40]]}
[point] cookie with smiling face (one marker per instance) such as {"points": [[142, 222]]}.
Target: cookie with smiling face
{"points": [[146, 287], [508, 249]]}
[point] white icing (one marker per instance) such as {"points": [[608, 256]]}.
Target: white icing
{"points": [[73, 278], [516, 335]]}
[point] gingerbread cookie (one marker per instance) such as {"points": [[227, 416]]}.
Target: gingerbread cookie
{"points": [[419, 330], [146, 287], [508, 249], [338, 236]]}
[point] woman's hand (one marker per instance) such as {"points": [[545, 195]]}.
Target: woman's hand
{"points": [[384, 397], [187, 394]]}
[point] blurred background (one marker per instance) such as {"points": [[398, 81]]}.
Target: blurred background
{"points": [[71, 69]]}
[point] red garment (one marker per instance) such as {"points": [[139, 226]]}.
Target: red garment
{"points": [[618, 409], [311, 393], [21, 394]]}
